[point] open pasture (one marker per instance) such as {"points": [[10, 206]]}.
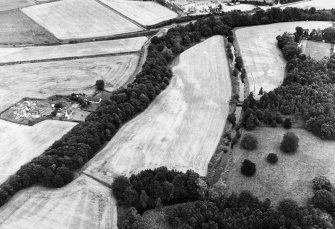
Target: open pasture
{"points": [[19, 144], [318, 4], [316, 50], [44, 79], [292, 176], [145, 13], [74, 19], [262, 59], [83, 204], [17, 28], [182, 127], [35, 53]]}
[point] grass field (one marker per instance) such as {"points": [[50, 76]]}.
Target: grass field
{"points": [[44, 79], [292, 176], [182, 127], [70, 19], [83, 204], [316, 50], [17, 28], [263, 61], [318, 4], [33, 53], [19, 144], [145, 13]]}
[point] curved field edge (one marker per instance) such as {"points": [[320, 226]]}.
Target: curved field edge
{"points": [[262, 59], [182, 126]]}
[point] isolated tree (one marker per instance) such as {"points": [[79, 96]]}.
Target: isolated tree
{"points": [[248, 168], [272, 158], [290, 143], [287, 124], [100, 84], [249, 142], [261, 91]]}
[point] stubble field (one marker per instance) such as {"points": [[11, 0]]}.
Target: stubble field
{"points": [[19, 143], [71, 19], [35, 53], [145, 13], [292, 176], [83, 204], [17, 28], [44, 79], [182, 127], [263, 60]]}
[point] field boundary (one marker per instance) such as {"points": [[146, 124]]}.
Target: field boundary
{"points": [[122, 15]]}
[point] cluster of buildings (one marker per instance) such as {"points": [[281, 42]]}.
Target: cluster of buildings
{"points": [[199, 6]]}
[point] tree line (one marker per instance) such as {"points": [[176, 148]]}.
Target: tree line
{"points": [[55, 167]]}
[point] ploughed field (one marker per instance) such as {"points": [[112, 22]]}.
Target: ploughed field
{"points": [[44, 79], [74, 19], [145, 13], [291, 177], [262, 59], [17, 28], [19, 144], [68, 51]]}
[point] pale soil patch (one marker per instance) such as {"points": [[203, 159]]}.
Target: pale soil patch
{"points": [[182, 127], [292, 176], [145, 13], [242, 7], [263, 60], [19, 144], [318, 4], [83, 204], [34, 53], [316, 50], [44, 79], [17, 28], [70, 19]]}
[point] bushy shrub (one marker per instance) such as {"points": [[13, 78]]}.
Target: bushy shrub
{"points": [[321, 182], [272, 158], [248, 168], [290, 143], [100, 84], [324, 200], [249, 142], [287, 124]]}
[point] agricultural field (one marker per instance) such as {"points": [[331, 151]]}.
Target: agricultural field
{"points": [[74, 19], [44, 79], [19, 144], [316, 50], [83, 204], [145, 13], [263, 61], [318, 4], [35, 53], [17, 28], [182, 126], [14, 4], [292, 176]]}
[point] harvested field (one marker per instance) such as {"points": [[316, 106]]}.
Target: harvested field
{"points": [[182, 127], [292, 176], [318, 4], [19, 144], [83, 204], [316, 50], [36, 53], [44, 79], [17, 28], [263, 60], [14, 4], [71, 19], [145, 13]]}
